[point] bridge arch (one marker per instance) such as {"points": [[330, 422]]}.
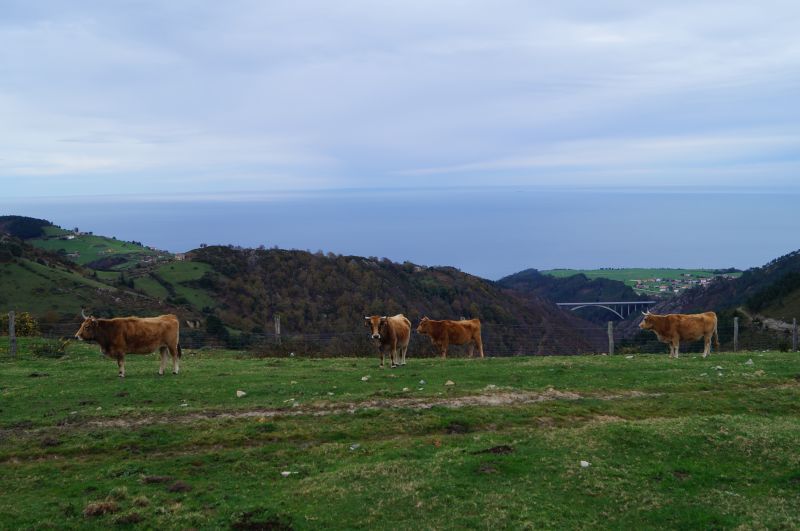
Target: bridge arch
{"points": [[622, 309]]}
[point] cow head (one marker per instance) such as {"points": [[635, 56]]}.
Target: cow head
{"points": [[648, 321], [424, 326], [375, 325], [88, 329]]}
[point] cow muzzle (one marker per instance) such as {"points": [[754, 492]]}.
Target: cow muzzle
{"points": [[79, 338], [376, 336]]}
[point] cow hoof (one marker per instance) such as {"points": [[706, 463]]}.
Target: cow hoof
{"points": [[174, 372]]}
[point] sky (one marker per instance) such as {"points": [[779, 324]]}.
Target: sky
{"points": [[138, 98]]}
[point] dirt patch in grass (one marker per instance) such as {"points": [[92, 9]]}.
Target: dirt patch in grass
{"points": [[456, 428], [100, 508], [129, 518], [505, 398], [502, 449], [259, 521], [179, 486], [681, 474], [148, 480], [49, 442], [486, 468]]}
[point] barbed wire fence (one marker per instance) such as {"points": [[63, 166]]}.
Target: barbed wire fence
{"points": [[499, 340]]}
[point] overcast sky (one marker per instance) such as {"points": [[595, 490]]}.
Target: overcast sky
{"points": [[117, 97]]}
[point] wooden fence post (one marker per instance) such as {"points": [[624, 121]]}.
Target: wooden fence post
{"points": [[610, 338], [735, 334], [794, 334], [278, 329], [12, 335]]}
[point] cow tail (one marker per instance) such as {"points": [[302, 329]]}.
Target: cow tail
{"points": [[716, 337]]}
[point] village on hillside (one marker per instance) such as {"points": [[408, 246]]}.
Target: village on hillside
{"points": [[669, 287]]}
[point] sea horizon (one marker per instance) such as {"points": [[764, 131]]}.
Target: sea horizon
{"points": [[488, 231]]}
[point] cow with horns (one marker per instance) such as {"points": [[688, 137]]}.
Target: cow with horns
{"points": [[391, 334], [134, 335], [676, 327]]}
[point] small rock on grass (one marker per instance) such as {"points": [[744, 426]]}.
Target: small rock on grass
{"points": [[449, 382], [749, 362], [240, 394], [585, 464], [365, 378]]}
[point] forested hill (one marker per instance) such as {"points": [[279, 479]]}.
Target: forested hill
{"points": [[23, 227], [757, 288], [575, 288], [316, 293], [530, 283]]}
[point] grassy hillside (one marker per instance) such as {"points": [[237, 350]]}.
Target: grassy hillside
{"points": [[98, 252], [28, 286], [315, 445]]}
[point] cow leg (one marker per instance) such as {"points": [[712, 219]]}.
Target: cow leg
{"points": [[121, 365], [394, 354], [444, 349], [381, 349], [175, 360], [677, 346], [471, 349], [707, 348], [163, 352], [404, 350]]}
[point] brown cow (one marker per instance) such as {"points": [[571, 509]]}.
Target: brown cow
{"points": [[134, 335], [676, 327], [390, 333], [444, 333]]}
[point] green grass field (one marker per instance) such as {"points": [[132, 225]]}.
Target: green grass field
{"points": [[176, 274], [91, 248], [316, 445], [629, 274], [35, 288]]}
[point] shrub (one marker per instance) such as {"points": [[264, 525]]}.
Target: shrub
{"points": [[24, 325], [49, 348]]}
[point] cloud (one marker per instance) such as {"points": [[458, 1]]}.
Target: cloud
{"points": [[353, 94]]}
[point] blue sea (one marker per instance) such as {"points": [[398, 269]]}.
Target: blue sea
{"points": [[490, 232]]}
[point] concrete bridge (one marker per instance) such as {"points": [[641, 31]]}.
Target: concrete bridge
{"points": [[622, 309]]}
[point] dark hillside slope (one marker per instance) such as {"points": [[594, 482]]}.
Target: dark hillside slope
{"points": [[530, 283], [23, 227], [314, 293], [757, 286], [770, 290]]}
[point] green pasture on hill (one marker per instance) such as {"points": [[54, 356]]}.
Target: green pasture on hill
{"points": [[176, 275], [91, 247], [342, 444], [628, 275], [44, 289]]}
